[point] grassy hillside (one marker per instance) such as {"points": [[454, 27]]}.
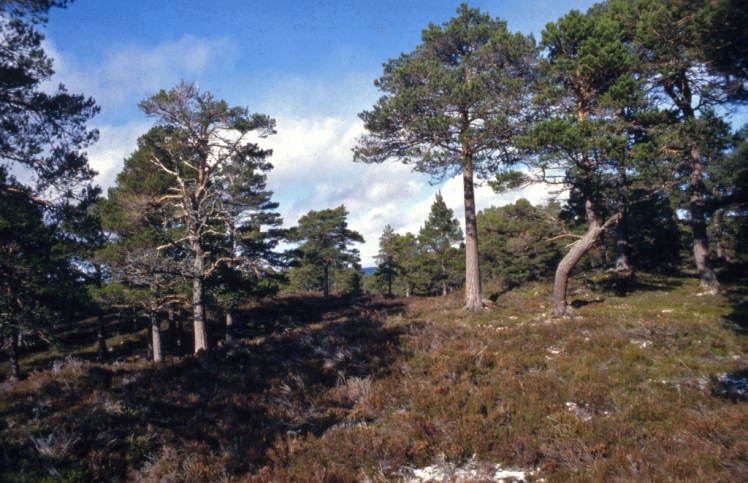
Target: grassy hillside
{"points": [[647, 381]]}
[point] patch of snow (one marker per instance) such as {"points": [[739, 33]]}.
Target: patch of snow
{"points": [[472, 471], [578, 411], [643, 344]]}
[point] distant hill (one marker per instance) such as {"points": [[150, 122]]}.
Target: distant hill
{"points": [[369, 270]]}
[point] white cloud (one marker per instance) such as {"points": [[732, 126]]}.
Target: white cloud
{"points": [[115, 144], [317, 129], [314, 170], [126, 76], [131, 72]]}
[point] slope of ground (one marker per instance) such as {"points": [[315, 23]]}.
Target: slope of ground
{"points": [[646, 381]]}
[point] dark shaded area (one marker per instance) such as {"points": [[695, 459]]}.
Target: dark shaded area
{"points": [[581, 303], [734, 279], [621, 284], [733, 386], [286, 374]]}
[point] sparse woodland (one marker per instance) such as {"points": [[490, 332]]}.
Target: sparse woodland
{"points": [[172, 329]]}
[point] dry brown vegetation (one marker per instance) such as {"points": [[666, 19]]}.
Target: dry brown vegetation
{"points": [[645, 387]]}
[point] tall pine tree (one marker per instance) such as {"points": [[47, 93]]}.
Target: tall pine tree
{"points": [[450, 107]]}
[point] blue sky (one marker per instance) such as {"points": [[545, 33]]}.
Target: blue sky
{"points": [[310, 65]]}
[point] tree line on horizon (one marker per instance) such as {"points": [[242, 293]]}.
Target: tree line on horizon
{"points": [[623, 108]]}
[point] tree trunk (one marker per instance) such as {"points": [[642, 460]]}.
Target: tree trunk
{"points": [[229, 325], [158, 353], [171, 327], [180, 337], [707, 276], [473, 298], [603, 253], [198, 309], [101, 350], [13, 350], [718, 235], [326, 281], [568, 263], [622, 232], [198, 304]]}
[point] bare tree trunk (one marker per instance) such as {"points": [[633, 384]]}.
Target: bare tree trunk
{"points": [[180, 337], [171, 327], [158, 353], [326, 281], [229, 325], [622, 232], [473, 298], [568, 263], [198, 304], [707, 276], [718, 234], [198, 309], [101, 350], [13, 350]]}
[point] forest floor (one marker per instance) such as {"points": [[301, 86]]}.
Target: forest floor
{"points": [[647, 381]]}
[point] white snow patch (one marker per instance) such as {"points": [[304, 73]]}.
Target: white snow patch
{"points": [[643, 344], [581, 413], [472, 471]]}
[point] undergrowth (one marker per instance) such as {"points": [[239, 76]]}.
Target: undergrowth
{"points": [[641, 383]]}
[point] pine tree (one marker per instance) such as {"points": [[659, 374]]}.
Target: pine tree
{"points": [[248, 242], [688, 78], [438, 237], [325, 240], [451, 106], [387, 266], [42, 136], [204, 138], [143, 264], [36, 277], [516, 242], [588, 106], [409, 257], [40, 132]]}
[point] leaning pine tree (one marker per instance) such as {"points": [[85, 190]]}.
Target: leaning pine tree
{"points": [[587, 109], [450, 106]]}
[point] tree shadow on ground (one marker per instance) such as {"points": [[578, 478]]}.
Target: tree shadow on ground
{"points": [[734, 279], [733, 386], [579, 303], [621, 284], [300, 310], [299, 365]]}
